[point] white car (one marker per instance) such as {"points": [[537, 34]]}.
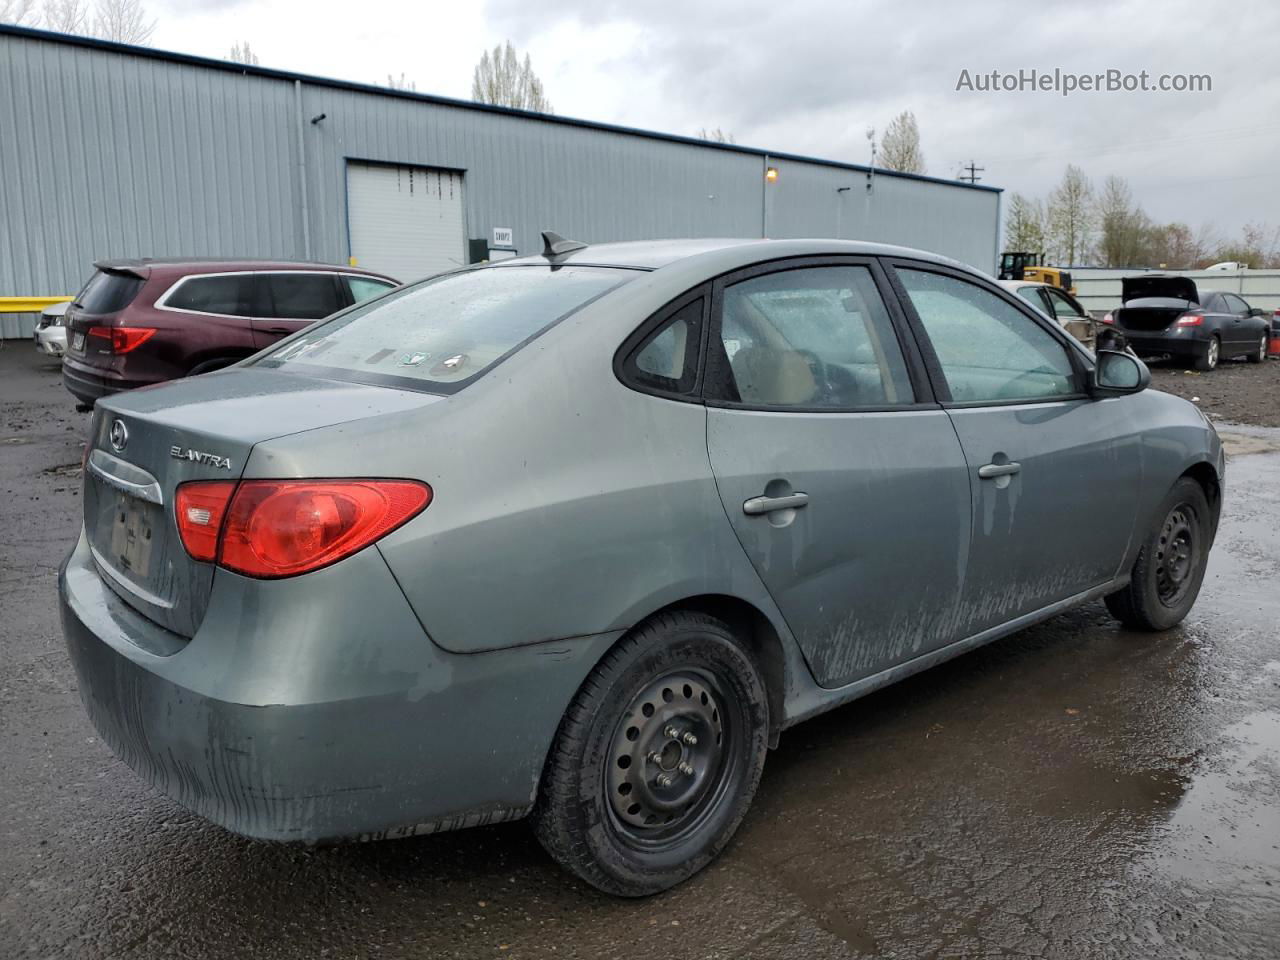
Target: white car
{"points": [[51, 332], [1057, 304]]}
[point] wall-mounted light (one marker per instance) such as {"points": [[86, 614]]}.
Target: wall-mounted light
{"points": [[317, 118], [771, 174]]}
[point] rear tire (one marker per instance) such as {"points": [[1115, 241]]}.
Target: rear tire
{"points": [[656, 759], [1212, 352], [1261, 353], [1167, 575]]}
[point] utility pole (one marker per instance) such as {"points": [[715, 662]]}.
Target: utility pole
{"points": [[970, 173]]}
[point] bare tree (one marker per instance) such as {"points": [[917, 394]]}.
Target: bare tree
{"points": [[1256, 248], [21, 13], [500, 78], [1024, 228], [124, 21], [66, 16], [716, 136], [401, 83], [1071, 217], [900, 147], [240, 53], [1126, 232]]}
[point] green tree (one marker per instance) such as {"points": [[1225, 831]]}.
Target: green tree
{"points": [[1071, 218]]}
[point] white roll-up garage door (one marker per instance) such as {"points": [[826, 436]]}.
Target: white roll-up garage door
{"points": [[405, 222]]}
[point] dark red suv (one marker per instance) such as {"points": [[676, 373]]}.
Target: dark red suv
{"points": [[139, 322]]}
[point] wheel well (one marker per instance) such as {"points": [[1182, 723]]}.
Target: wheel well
{"points": [[1207, 477], [754, 628]]}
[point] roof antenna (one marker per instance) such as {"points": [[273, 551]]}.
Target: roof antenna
{"points": [[555, 245]]}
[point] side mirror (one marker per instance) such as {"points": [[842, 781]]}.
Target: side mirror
{"points": [[1117, 374], [1257, 312]]}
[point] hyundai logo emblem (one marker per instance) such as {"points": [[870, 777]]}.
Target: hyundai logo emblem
{"points": [[119, 436]]}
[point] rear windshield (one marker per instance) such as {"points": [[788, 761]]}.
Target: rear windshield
{"points": [[108, 292], [441, 334]]}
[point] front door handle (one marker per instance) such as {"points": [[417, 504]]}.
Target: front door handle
{"points": [[992, 470], [758, 505]]}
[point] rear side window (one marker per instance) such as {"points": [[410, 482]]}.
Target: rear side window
{"points": [[108, 292], [442, 333], [816, 337], [303, 296], [366, 288], [667, 359], [229, 294]]}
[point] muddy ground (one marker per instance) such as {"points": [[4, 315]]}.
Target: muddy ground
{"points": [[1074, 791], [1237, 392]]}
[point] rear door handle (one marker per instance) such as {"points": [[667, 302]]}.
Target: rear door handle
{"points": [[278, 330], [758, 505], [998, 470]]}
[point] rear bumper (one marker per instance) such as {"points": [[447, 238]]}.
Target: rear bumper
{"points": [[276, 737], [1172, 344], [88, 384]]}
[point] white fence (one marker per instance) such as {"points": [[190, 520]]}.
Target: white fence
{"points": [[1099, 289]]}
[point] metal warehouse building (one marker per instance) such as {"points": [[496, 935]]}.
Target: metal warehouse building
{"points": [[109, 150]]}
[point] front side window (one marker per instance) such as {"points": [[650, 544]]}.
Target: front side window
{"points": [[303, 296], [813, 337], [441, 333], [987, 348], [1236, 305], [230, 294]]}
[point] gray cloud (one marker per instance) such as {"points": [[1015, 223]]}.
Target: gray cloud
{"points": [[810, 76]]}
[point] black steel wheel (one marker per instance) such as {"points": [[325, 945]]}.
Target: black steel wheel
{"points": [[657, 758], [1167, 574]]}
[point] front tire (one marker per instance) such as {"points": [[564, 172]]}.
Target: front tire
{"points": [[657, 758], [1167, 575], [1212, 352]]}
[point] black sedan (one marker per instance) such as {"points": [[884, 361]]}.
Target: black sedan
{"points": [[1165, 315]]}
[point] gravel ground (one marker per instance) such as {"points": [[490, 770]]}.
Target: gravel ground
{"points": [[1237, 392], [1071, 791]]}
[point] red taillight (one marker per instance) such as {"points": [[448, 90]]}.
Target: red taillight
{"points": [[1190, 320], [1108, 318], [281, 528], [199, 508], [123, 339]]}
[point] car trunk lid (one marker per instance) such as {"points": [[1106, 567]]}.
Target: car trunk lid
{"points": [[1158, 285], [145, 443]]}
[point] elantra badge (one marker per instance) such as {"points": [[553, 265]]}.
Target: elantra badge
{"points": [[197, 456]]}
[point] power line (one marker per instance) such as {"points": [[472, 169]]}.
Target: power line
{"points": [[973, 172]]}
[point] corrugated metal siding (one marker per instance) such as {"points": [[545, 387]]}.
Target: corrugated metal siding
{"points": [[108, 154]]}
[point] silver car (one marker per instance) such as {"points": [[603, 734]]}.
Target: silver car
{"points": [[577, 536], [50, 334]]}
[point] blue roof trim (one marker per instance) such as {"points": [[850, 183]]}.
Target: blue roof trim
{"points": [[266, 72]]}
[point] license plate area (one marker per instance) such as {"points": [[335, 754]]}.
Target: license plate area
{"points": [[77, 342], [133, 532]]}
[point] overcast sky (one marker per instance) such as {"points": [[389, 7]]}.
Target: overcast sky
{"points": [[810, 77]]}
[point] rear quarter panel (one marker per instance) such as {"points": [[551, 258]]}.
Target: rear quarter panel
{"points": [[565, 504]]}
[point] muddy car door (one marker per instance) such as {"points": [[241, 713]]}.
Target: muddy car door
{"points": [[1055, 474], [841, 476]]}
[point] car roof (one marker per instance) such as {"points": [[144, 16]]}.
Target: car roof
{"points": [[656, 254], [180, 266]]}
